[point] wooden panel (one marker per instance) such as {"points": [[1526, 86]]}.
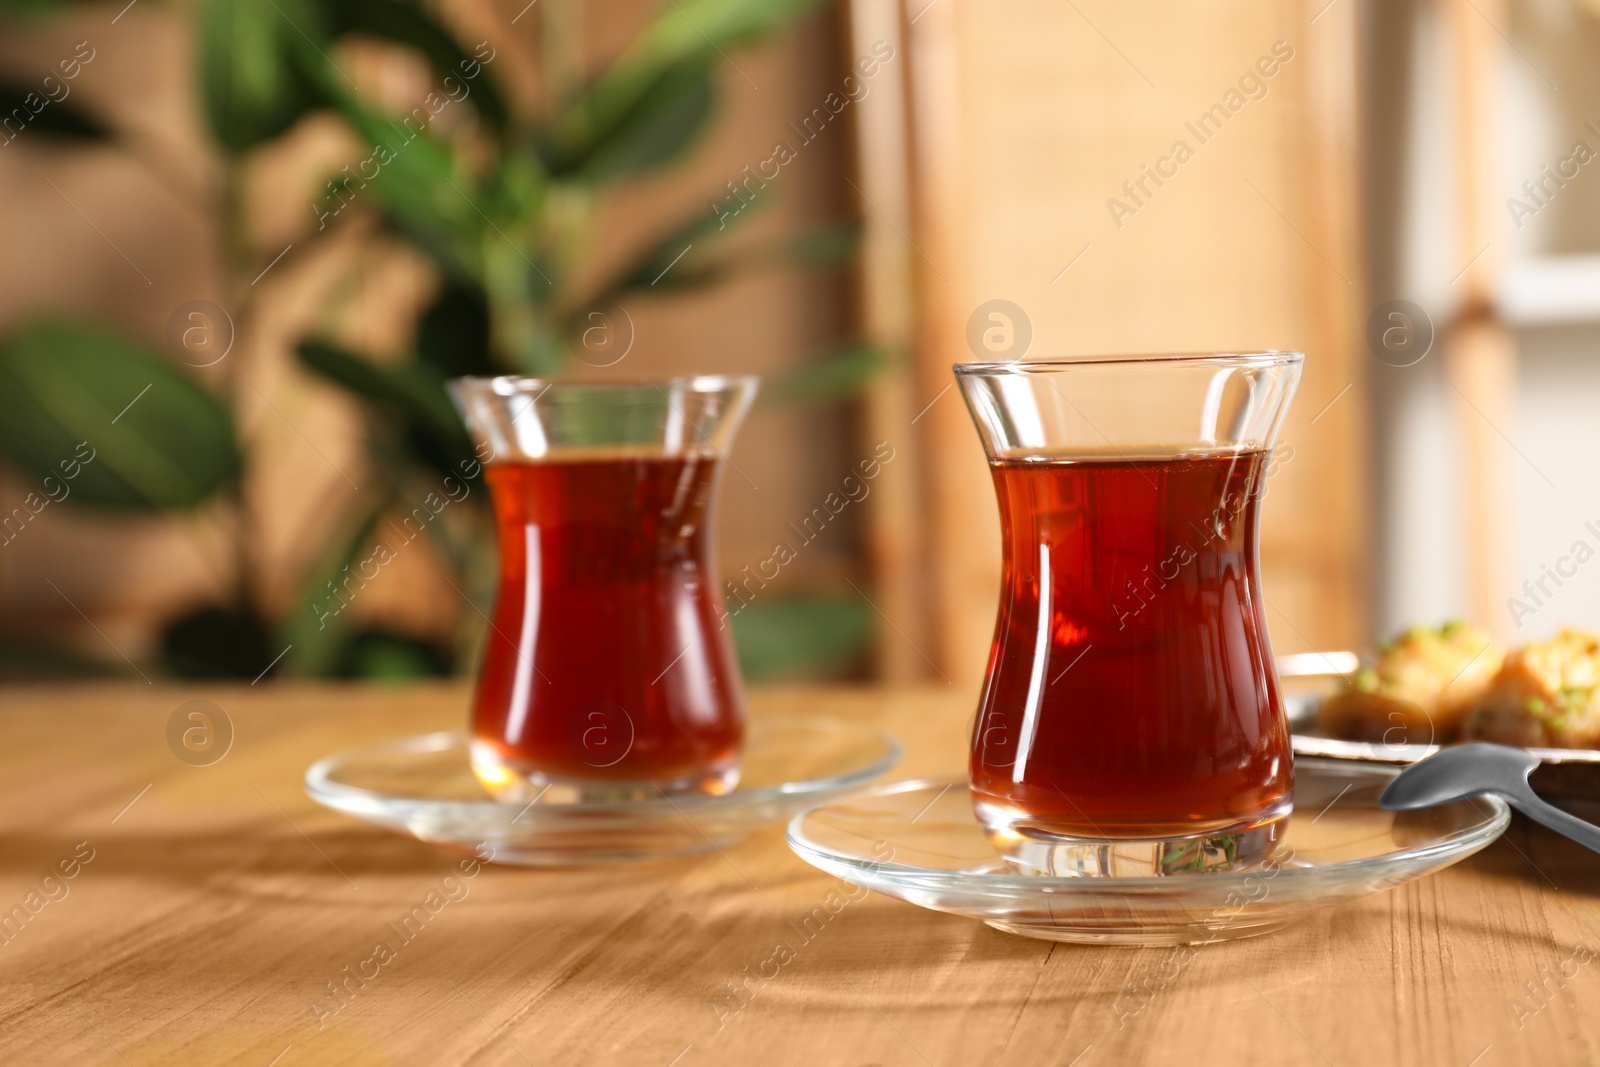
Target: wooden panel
{"points": [[897, 547], [1030, 118], [964, 529], [1480, 352]]}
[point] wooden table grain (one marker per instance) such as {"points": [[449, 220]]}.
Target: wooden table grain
{"points": [[178, 914]]}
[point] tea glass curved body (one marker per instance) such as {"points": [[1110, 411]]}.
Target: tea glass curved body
{"points": [[1130, 720], [607, 671]]}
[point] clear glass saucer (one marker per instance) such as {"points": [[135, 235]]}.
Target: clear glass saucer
{"points": [[424, 786], [920, 842]]}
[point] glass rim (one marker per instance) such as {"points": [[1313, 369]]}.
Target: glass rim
{"points": [[507, 384], [1270, 357]]}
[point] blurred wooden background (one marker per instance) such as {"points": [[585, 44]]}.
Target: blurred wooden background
{"points": [[1028, 118], [68, 244], [980, 163]]}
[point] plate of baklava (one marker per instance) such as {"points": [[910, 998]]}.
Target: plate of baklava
{"points": [[1438, 685]]}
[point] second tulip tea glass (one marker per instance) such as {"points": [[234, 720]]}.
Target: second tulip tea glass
{"points": [[1130, 720], [607, 673]]}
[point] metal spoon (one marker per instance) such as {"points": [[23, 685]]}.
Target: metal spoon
{"points": [[1462, 771]]}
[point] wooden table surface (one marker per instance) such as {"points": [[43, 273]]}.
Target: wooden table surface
{"points": [[209, 906]]}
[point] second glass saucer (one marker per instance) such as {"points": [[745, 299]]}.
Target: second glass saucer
{"points": [[920, 842], [424, 786]]}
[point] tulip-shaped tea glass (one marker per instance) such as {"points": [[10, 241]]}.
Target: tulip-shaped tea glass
{"points": [[607, 673], [1130, 720]]}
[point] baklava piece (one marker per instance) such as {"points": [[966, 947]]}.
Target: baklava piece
{"points": [[1421, 690], [1546, 695]]}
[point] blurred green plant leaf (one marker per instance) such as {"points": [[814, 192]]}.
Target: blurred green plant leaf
{"points": [[838, 376], [379, 655], [666, 252], [408, 24], [157, 439], [317, 626], [688, 34], [413, 388], [800, 636], [708, 263], [694, 27], [56, 118], [416, 180], [824, 246], [30, 9], [259, 61], [453, 331], [447, 459], [658, 128], [431, 432]]}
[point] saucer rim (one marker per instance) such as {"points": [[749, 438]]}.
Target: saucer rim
{"points": [[396, 808], [1462, 842]]}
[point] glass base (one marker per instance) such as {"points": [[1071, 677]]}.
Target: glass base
{"points": [[1028, 849], [521, 782]]}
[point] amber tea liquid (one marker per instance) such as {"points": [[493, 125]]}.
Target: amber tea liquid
{"points": [[1131, 691], [605, 662]]}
